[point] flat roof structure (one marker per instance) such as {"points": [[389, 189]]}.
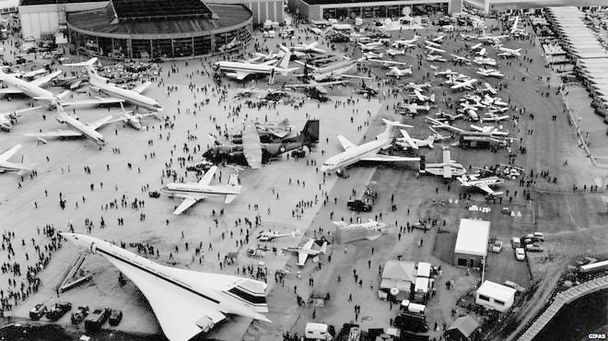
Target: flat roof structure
{"points": [[473, 237], [129, 10], [496, 291], [54, 2]]}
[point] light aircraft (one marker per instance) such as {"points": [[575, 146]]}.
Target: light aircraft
{"points": [[268, 236], [470, 110], [506, 52], [422, 98], [331, 72], [407, 142], [490, 73], [490, 130], [467, 84], [370, 46], [494, 118], [372, 55], [446, 73], [7, 166], [78, 129], [406, 42], [413, 108], [117, 94], [133, 119], [307, 250], [370, 230], [8, 119], [482, 52], [488, 100], [418, 87], [186, 303], [484, 61], [488, 38], [490, 89], [468, 36], [193, 192], [447, 169], [435, 58], [481, 183], [434, 49], [398, 73], [308, 48], [240, 70], [393, 52], [460, 59], [367, 151]]}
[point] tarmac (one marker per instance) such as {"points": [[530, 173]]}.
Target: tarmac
{"points": [[288, 187]]}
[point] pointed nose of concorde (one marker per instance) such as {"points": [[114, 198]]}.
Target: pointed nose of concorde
{"points": [[79, 240]]}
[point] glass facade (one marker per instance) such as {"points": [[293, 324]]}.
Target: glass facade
{"points": [[391, 11], [91, 45]]}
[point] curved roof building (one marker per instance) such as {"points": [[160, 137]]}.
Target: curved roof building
{"points": [[159, 28]]}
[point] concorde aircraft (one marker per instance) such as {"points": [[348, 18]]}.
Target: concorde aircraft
{"points": [[118, 94], [186, 302], [367, 151], [7, 166], [193, 192]]}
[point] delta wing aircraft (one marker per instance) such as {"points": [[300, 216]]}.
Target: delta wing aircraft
{"points": [[368, 151], [186, 303], [7, 166], [193, 192]]}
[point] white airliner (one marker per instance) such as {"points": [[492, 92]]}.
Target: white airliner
{"points": [[240, 70], [407, 142], [79, 129], [307, 250], [117, 94], [186, 302], [268, 236], [447, 169], [8, 119], [481, 183], [32, 89], [193, 192], [398, 73], [7, 166], [367, 151]]}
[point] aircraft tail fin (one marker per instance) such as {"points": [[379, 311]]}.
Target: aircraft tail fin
{"points": [[310, 132], [284, 61], [432, 98], [430, 141], [323, 249], [234, 179]]}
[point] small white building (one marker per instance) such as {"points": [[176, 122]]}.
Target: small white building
{"points": [[495, 296], [472, 243]]}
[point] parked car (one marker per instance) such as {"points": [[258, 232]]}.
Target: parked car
{"points": [[520, 254], [515, 242], [115, 317], [154, 194], [97, 318], [534, 247], [80, 314], [58, 310], [497, 246], [37, 312]]}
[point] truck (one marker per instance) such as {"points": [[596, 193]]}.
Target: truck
{"points": [[363, 200], [96, 319]]}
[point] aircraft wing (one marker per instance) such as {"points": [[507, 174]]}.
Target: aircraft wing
{"points": [[302, 256], [389, 158], [252, 147], [45, 79], [94, 101], [142, 87], [10, 91], [346, 144], [408, 139], [186, 203], [183, 314], [486, 189], [206, 180], [57, 133], [97, 124], [240, 75], [9, 153]]}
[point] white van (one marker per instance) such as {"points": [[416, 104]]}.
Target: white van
{"points": [[317, 331]]}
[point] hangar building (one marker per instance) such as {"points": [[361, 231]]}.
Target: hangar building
{"points": [[342, 9]]}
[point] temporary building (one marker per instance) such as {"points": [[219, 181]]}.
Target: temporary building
{"points": [[462, 329], [495, 296], [398, 275], [472, 243]]}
